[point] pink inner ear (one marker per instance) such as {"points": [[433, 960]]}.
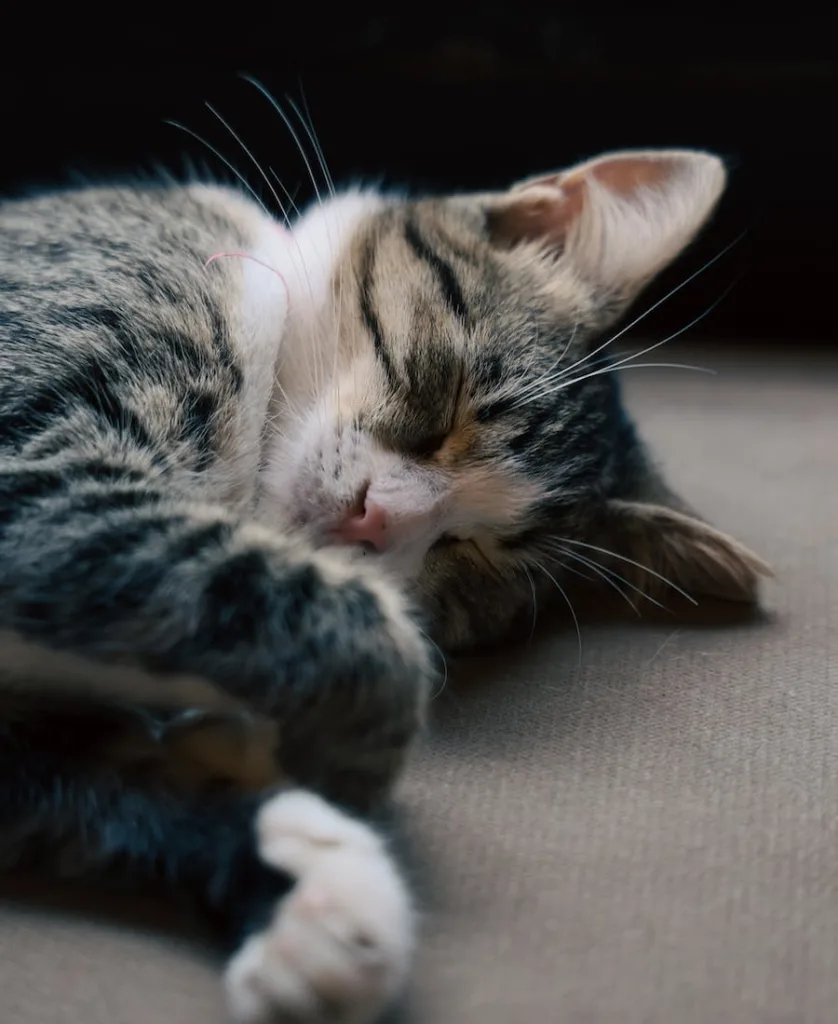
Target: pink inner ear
{"points": [[539, 212], [624, 175], [545, 209]]}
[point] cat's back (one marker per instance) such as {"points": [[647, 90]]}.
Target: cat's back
{"points": [[116, 240], [106, 294]]}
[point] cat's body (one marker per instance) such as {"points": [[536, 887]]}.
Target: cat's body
{"points": [[198, 408]]}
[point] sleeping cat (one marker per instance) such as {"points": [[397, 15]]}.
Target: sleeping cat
{"points": [[256, 468]]}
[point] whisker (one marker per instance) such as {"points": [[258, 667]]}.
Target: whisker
{"points": [[441, 653], [312, 137], [288, 195], [601, 572], [570, 568], [656, 305], [528, 574], [665, 643], [261, 170], [611, 572], [223, 159], [614, 369], [626, 360], [638, 366], [569, 604], [555, 367], [475, 548], [336, 346], [252, 159], [258, 85], [665, 366], [324, 165], [274, 418], [560, 379], [630, 561]]}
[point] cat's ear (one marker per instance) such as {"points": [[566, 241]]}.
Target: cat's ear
{"points": [[618, 219], [672, 545]]}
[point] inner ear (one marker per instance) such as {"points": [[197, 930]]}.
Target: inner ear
{"points": [[618, 219], [661, 550]]}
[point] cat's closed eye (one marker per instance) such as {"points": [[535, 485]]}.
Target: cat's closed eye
{"points": [[448, 540], [415, 441], [426, 446]]}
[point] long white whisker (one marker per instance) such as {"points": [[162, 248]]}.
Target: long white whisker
{"points": [[312, 137], [676, 334], [258, 85], [655, 305], [553, 372], [635, 366], [569, 568], [614, 369], [222, 158], [611, 572], [336, 354], [569, 604], [321, 259], [560, 380], [629, 561], [288, 195], [325, 166], [441, 653], [296, 413], [663, 366], [600, 572], [252, 159], [273, 191], [528, 574], [318, 152]]}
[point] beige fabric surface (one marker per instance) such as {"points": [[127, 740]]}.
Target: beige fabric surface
{"points": [[650, 840]]}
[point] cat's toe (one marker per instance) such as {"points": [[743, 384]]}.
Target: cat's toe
{"points": [[338, 947]]}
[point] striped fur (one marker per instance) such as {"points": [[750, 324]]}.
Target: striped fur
{"points": [[180, 433]]}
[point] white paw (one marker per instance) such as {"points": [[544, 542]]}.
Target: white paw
{"points": [[339, 944]]}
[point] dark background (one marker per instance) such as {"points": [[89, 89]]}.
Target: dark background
{"points": [[474, 100]]}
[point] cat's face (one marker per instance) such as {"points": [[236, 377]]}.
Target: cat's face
{"points": [[447, 408]]}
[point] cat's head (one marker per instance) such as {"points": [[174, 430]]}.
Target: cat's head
{"points": [[448, 405]]}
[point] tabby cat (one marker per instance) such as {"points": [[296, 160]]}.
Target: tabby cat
{"points": [[258, 470]]}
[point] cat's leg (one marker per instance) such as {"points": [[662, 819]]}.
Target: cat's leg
{"points": [[96, 558], [316, 915]]}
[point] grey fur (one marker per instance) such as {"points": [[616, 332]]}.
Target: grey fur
{"points": [[120, 394], [136, 425]]}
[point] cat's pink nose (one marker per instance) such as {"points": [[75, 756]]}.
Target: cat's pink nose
{"points": [[369, 526]]}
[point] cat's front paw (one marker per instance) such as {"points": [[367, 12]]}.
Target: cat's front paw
{"points": [[360, 685], [338, 946]]}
